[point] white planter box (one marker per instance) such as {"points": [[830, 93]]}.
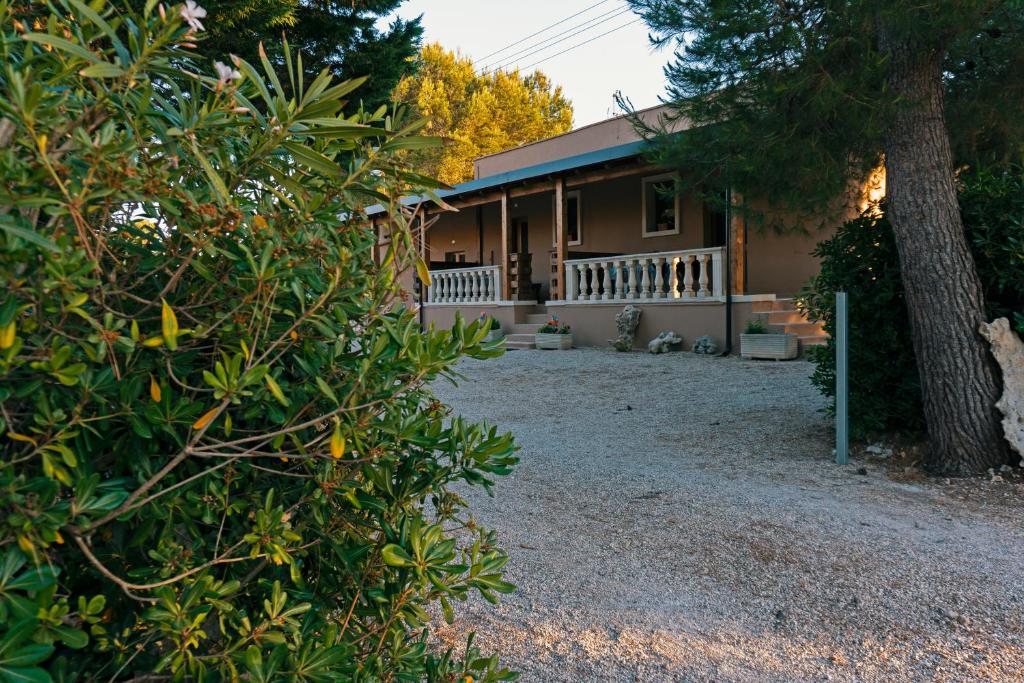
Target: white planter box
{"points": [[559, 342], [494, 335], [770, 346]]}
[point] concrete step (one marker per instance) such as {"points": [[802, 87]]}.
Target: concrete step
{"points": [[537, 318], [520, 338], [813, 339], [524, 328], [519, 345], [786, 316], [801, 328]]}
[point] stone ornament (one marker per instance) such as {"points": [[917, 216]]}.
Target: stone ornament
{"points": [[664, 342], [1009, 354], [626, 321], [705, 345]]}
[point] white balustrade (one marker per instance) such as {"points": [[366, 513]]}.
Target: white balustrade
{"points": [[689, 274], [465, 285]]}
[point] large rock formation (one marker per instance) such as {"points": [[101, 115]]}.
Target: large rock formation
{"points": [[626, 321], [664, 342], [1009, 353]]}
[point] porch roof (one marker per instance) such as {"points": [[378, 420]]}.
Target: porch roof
{"points": [[572, 163]]}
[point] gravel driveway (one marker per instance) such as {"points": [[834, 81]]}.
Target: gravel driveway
{"points": [[678, 518]]}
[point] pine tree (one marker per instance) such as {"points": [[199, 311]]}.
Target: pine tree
{"points": [[793, 99]]}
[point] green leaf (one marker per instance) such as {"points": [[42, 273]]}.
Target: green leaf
{"points": [[61, 44], [395, 556], [28, 235], [102, 70]]}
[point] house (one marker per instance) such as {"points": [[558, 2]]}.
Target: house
{"points": [[579, 225]]}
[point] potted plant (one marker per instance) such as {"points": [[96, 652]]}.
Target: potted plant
{"points": [[757, 342], [493, 326], [554, 335]]}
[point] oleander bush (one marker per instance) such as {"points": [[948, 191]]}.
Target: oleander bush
{"points": [[221, 459], [861, 259]]}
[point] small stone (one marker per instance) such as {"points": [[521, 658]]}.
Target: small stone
{"points": [[704, 345], [863, 471], [1008, 350], [664, 342]]}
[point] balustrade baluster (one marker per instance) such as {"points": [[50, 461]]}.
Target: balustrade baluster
{"points": [[659, 278], [645, 279], [716, 273], [688, 276], [703, 281], [583, 281]]}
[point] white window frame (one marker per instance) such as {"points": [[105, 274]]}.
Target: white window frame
{"points": [[579, 219], [644, 182]]}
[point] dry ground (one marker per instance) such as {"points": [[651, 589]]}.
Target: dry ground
{"points": [[678, 518]]}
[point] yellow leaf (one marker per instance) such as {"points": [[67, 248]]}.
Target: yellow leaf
{"points": [[259, 222], [337, 441], [227, 424], [7, 334], [206, 419], [275, 389], [25, 544], [58, 538], [135, 331], [41, 141], [245, 349], [423, 271], [153, 342], [22, 437], [169, 326], [294, 335], [154, 389]]}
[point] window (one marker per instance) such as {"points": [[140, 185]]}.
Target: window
{"points": [[715, 229], [660, 206], [454, 257], [574, 219]]}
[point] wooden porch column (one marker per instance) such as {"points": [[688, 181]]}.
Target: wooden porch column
{"points": [[738, 238], [561, 239], [506, 280]]}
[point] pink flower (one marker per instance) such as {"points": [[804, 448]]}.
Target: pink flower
{"points": [[192, 13]]}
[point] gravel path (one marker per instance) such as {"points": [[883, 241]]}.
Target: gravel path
{"points": [[678, 518]]}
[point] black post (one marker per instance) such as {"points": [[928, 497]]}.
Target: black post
{"points": [[728, 271]]}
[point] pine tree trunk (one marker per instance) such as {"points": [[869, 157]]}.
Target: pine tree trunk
{"points": [[959, 382]]}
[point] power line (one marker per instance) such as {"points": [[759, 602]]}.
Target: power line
{"points": [[551, 42], [589, 40], [546, 28]]}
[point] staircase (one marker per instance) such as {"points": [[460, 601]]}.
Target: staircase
{"points": [[523, 335], [782, 315]]}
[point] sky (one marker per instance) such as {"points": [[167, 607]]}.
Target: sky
{"points": [[589, 74]]}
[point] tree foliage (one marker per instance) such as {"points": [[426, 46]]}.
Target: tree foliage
{"points": [[479, 114], [801, 86], [342, 36], [861, 259], [220, 456]]}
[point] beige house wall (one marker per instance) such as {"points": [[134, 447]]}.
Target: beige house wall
{"points": [[594, 324]]}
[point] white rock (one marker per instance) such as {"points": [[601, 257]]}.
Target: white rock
{"points": [[664, 342], [1009, 353]]}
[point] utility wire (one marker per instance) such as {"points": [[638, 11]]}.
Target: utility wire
{"points": [[546, 28], [551, 41], [589, 40]]}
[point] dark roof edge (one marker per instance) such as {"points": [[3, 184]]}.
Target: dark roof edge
{"points": [[577, 161]]}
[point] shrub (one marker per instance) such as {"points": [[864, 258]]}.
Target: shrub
{"points": [[861, 259], [220, 456], [755, 326]]}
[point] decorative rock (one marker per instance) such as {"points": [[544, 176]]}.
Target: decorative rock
{"points": [[626, 322], [1009, 353], [664, 342], [705, 345]]}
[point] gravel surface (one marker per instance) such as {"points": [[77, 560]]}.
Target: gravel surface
{"points": [[678, 518]]}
